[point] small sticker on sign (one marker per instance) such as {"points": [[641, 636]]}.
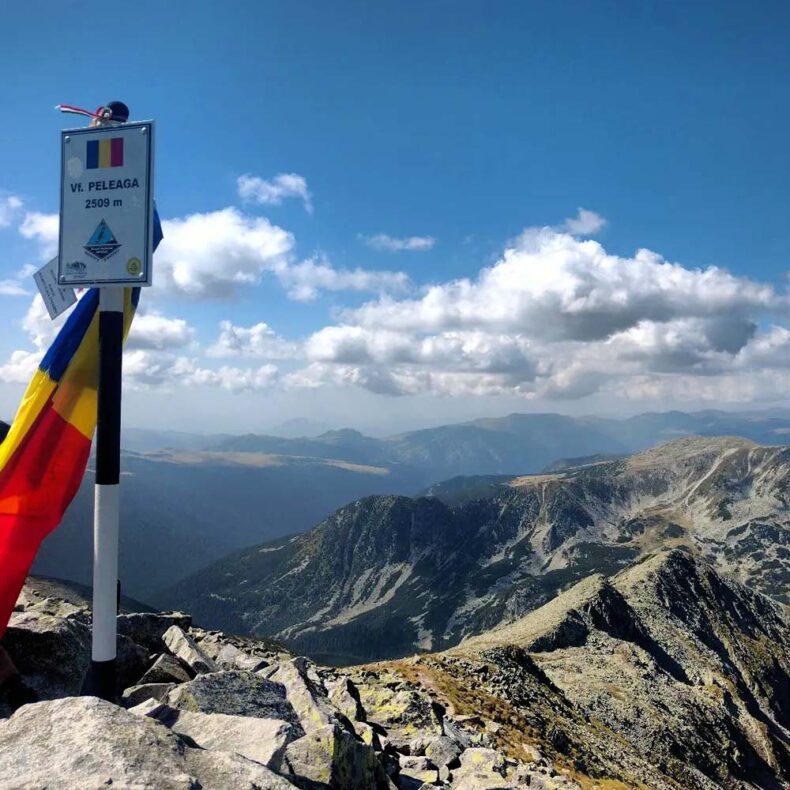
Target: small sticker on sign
{"points": [[56, 299], [102, 243]]}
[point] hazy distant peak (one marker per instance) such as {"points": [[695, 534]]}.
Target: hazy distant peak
{"points": [[343, 433], [298, 428]]}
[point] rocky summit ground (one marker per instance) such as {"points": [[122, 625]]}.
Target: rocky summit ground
{"points": [[666, 675]]}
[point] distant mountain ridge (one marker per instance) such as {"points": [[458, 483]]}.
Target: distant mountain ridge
{"points": [[388, 575], [207, 495], [182, 509], [516, 444]]}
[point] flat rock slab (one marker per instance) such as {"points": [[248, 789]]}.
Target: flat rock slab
{"points": [[166, 669], [235, 693], [402, 712], [85, 743], [231, 657], [262, 740], [145, 691], [478, 760], [147, 629], [419, 770], [183, 646]]}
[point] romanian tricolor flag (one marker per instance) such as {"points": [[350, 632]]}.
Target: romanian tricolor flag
{"points": [[104, 153], [43, 457]]}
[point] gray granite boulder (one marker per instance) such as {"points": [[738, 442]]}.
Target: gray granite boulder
{"points": [[166, 669], [183, 646], [134, 695], [235, 694], [148, 628], [308, 697], [330, 757], [51, 653], [85, 743], [262, 740]]}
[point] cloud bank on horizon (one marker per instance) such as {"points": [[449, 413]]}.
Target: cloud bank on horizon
{"points": [[555, 316]]}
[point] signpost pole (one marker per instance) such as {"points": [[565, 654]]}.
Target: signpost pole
{"points": [[101, 677], [107, 229]]}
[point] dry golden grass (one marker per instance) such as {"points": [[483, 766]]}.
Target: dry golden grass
{"points": [[514, 731], [530, 480], [260, 460]]}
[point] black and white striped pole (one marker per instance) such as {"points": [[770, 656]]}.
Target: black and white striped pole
{"points": [[107, 224], [100, 681]]}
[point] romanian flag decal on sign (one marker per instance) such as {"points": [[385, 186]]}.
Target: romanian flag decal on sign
{"points": [[104, 153]]}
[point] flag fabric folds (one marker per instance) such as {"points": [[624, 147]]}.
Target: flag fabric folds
{"points": [[45, 452], [44, 455]]}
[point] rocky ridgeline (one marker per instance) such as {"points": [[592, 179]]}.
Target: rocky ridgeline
{"points": [[388, 576], [199, 708], [666, 675]]}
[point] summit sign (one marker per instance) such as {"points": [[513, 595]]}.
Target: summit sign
{"points": [[106, 206]]}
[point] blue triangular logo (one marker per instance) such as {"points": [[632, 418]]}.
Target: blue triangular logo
{"points": [[102, 243], [102, 235]]}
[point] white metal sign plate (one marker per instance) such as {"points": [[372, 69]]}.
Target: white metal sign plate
{"points": [[56, 299], [106, 208]]}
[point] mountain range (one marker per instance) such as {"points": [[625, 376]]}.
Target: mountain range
{"points": [[181, 510], [189, 499], [516, 444], [389, 575]]}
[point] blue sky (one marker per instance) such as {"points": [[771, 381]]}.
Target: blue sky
{"points": [[456, 126]]}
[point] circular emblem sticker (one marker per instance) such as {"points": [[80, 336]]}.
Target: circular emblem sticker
{"points": [[74, 167], [134, 266]]}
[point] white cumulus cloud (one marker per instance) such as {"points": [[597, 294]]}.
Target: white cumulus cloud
{"points": [[382, 241], [12, 288], [259, 341], [273, 192], [154, 331], [145, 369], [556, 317], [10, 206], [214, 255], [585, 223], [42, 228], [556, 287], [20, 367], [303, 281], [211, 255]]}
